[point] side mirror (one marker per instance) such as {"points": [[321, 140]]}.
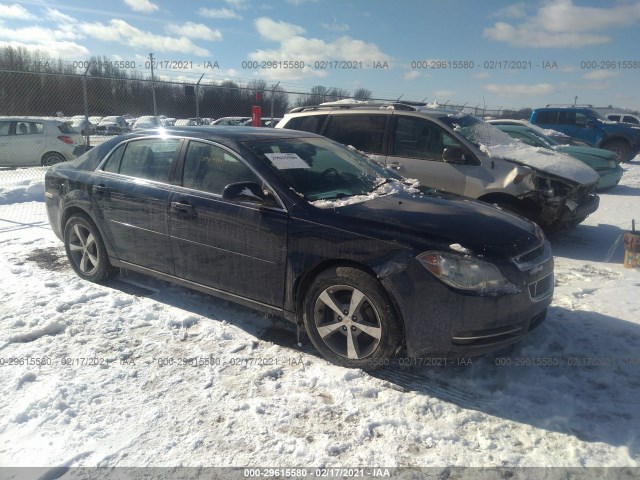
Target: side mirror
{"points": [[591, 124], [244, 192], [453, 155]]}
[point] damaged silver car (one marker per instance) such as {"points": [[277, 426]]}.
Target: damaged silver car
{"points": [[459, 153]]}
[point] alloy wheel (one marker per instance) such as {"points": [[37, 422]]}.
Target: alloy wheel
{"points": [[84, 249], [347, 322]]}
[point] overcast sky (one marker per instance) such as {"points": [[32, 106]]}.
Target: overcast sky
{"points": [[583, 44]]}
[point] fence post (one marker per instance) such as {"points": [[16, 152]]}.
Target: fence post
{"points": [[87, 133], [273, 91], [198, 101]]}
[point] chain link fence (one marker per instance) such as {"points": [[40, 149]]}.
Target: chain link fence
{"points": [[48, 117]]}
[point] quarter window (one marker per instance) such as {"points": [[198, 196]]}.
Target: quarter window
{"points": [[210, 168], [4, 128], [310, 123], [150, 158], [364, 132]]}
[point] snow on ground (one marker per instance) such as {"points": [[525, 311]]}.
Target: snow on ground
{"points": [[163, 376]]}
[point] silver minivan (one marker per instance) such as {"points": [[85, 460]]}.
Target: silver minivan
{"points": [[459, 153]]}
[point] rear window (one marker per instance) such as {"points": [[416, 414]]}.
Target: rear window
{"points": [[309, 123], [66, 128]]}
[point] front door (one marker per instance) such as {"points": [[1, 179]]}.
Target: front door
{"points": [[236, 247]]}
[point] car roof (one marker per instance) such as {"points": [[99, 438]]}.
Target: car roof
{"points": [[32, 119], [222, 133], [334, 107]]}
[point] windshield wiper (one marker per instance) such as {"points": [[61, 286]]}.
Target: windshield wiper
{"points": [[384, 182]]}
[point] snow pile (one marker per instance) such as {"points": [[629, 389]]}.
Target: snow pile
{"points": [[23, 185], [98, 376], [542, 159]]}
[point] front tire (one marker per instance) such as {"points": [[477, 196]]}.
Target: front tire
{"points": [[85, 249], [350, 320]]}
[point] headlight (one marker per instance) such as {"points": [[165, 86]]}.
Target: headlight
{"points": [[466, 273]]}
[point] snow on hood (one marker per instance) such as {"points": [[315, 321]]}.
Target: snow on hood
{"points": [[546, 160], [391, 188]]}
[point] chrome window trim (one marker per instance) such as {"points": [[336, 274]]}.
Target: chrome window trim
{"points": [[234, 154]]}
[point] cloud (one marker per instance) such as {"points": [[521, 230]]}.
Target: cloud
{"points": [[293, 46], [222, 13], [517, 10], [58, 17], [276, 31], [194, 30], [36, 35], [444, 93], [122, 32], [54, 49], [600, 75], [300, 2], [141, 5], [335, 26], [514, 90], [15, 12], [561, 24], [412, 75], [481, 75], [238, 4]]}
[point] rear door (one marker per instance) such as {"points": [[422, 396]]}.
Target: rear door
{"points": [[130, 194], [28, 145], [235, 247]]}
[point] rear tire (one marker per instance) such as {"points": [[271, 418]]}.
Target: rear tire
{"points": [[85, 249], [620, 148], [350, 320], [52, 158]]}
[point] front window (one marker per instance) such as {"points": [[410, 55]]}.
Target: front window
{"points": [[320, 169], [211, 168], [476, 131]]}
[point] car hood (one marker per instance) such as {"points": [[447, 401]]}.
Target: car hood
{"points": [[586, 152], [545, 160], [417, 219]]}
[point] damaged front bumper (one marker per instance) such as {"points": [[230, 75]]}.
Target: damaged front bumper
{"points": [[569, 203]]}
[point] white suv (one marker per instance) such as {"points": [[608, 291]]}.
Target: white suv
{"points": [[459, 153], [29, 141], [623, 117]]}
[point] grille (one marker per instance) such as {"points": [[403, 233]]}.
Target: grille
{"points": [[542, 288]]}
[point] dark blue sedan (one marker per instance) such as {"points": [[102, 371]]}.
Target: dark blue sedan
{"points": [[295, 224]]}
